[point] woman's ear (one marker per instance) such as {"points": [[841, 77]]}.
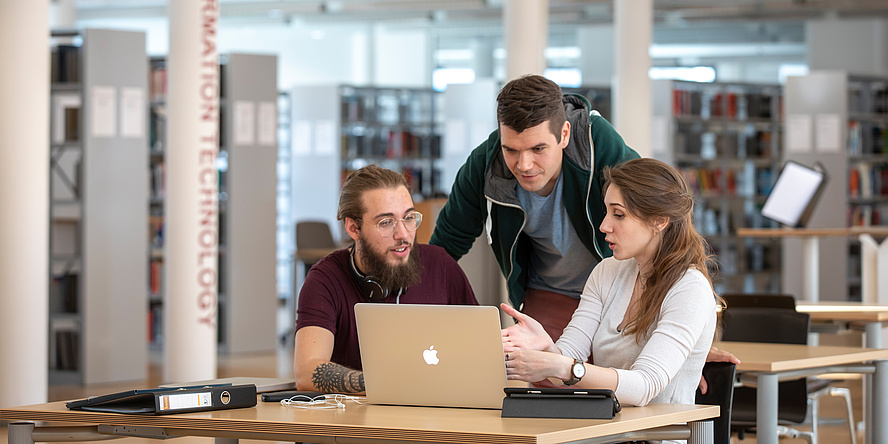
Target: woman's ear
{"points": [[661, 224]]}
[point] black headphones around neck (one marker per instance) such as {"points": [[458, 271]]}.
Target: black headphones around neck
{"points": [[370, 289]]}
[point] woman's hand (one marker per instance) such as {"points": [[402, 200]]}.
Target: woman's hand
{"points": [[716, 355], [534, 365], [527, 334]]}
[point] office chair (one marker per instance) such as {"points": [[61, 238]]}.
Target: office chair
{"points": [[313, 235], [312, 238], [760, 300], [781, 326], [748, 324], [817, 388], [720, 379]]}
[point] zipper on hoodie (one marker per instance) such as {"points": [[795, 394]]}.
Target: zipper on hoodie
{"points": [[515, 242], [589, 192]]}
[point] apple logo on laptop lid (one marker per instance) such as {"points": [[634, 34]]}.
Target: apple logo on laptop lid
{"points": [[430, 356]]}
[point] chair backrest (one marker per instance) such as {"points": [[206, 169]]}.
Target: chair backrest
{"points": [[773, 325], [720, 381], [760, 300], [313, 234], [768, 325]]}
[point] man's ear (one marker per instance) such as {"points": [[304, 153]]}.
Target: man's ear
{"points": [[565, 134], [352, 228]]}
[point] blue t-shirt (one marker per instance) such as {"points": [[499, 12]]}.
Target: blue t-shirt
{"points": [[559, 261]]}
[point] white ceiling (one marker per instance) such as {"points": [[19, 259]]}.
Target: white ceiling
{"points": [[466, 11], [677, 22]]}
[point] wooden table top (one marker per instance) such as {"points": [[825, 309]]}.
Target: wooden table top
{"points": [[273, 421], [762, 357], [811, 232], [844, 311]]}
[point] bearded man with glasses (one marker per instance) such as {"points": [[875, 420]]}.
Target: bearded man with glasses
{"points": [[385, 265]]}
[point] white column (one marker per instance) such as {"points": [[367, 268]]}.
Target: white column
{"points": [[62, 14], [526, 35], [633, 23], [482, 56], [24, 201], [192, 217], [596, 44]]}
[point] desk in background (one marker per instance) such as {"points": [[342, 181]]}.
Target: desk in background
{"points": [[872, 316], [811, 236], [360, 423], [768, 363]]}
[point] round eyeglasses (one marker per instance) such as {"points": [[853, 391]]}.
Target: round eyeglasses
{"points": [[386, 226]]}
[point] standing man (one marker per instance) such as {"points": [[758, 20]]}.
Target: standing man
{"points": [[535, 187], [385, 265]]}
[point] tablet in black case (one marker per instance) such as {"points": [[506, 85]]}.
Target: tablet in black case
{"points": [[529, 402]]}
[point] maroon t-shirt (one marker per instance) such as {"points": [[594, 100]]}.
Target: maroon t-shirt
{"points": [[329, 295]]}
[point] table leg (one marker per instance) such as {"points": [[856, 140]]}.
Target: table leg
{"points": [[873, 335], [876, 429], [873, 339], [20, 433], [766, 409], [702, 432], [812, 268]]}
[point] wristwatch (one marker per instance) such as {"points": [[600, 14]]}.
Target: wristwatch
{"points": [[577, 371]]}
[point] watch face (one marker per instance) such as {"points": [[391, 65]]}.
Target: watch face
{"points": [[579, 370]]}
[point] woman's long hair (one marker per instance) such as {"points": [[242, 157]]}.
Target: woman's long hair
{"points": [[653, 190]]}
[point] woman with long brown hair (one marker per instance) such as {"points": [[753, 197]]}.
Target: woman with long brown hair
{"points": [[647, 314]]}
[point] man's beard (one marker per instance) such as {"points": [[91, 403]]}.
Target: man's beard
{"points": [[393, 277]]}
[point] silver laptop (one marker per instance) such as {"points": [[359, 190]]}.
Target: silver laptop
{"points": [[432, 355]]}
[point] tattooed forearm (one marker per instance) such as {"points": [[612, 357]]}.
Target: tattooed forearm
{"points": [[334, 378]]}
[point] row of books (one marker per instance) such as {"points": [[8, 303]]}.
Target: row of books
{"points": [[155, 325], [417, 180], [155, 231], [391, 145], [64, 293], [717, 181], [874, 101], [867, 139], [865, 215], [707, 221], [155, 277], [157, 83], [725, 145], [410, 107], [420, 181], [67, 350], [868, 180], [65, 64], [706, 104], [157, 128], [756, 258], [157, 179]]}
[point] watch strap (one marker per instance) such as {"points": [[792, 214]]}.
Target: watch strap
{"points": [[573, 378]]}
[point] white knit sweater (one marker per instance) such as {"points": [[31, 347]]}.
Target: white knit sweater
{"points": [[667, 367]]}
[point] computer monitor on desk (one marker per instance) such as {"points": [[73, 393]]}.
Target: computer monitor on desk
{"points": [[794, 196]]}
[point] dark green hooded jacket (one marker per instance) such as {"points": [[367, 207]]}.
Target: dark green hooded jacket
{"points": [[484, 196]]}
